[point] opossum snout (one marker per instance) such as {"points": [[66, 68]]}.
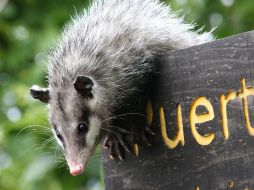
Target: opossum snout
{"points": [[76, 168]]}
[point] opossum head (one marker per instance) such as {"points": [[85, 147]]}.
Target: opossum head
{"points": [[76, 117]]}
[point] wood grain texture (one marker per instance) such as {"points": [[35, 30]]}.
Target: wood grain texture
{"points": [[208, 70]]}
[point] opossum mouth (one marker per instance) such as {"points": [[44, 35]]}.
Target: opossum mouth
{"points": [[78, 167]]}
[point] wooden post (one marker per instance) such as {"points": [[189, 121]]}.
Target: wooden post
{"points": [[210, 89]]}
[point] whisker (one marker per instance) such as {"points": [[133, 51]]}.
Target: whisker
{"points": [[116, 116], [34, 128], [120, 129], [47, 141], [111, 131], [36, 115]]}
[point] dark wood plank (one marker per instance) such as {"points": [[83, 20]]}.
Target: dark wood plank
{"points": [[208, 70]]}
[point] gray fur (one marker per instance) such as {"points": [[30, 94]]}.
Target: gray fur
{"points": [[114, 42]]}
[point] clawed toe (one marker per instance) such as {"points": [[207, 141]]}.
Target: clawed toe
{"points": [[106, 142], [150, 131], [123, 143], [145, 139]]}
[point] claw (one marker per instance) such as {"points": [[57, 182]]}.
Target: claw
{"points": [[112, 157], [123, 143], [145, 139], [106, 142], [119, 152], [150, 131], [112, 151], [120, 158]]}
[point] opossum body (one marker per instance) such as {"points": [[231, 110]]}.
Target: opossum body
{"points": [[102, 60]]}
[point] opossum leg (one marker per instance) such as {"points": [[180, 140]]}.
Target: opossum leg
{"points": [[128, 128], [119, 140]]}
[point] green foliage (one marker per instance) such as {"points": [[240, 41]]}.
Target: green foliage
{"points": [[230, 17], [28, 159]]}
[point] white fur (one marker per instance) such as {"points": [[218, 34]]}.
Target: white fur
{"points": [[93, 131]]}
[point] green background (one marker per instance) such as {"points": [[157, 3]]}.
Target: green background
{"points": [[29, 158]]}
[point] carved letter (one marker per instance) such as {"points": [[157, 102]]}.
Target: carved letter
{"points": [[180, 135], [223, 109], [243, 94], [194, 119], [149, 113]]}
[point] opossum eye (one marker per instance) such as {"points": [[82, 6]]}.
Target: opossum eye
{"points": [[82, 128], [60, 137]]}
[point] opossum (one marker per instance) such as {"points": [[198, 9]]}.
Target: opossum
{"points": [[101, 62]]}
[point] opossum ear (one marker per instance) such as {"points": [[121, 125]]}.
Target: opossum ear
{"points": [[39, 93], [83, 85]]}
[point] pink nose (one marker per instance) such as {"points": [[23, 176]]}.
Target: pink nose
{"points": [[76, 168]]}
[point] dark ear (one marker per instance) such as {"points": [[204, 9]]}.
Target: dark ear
{"points": [[39, 93], [83, 85]]}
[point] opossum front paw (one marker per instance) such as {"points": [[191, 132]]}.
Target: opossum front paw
{"points": [[116, 144]]}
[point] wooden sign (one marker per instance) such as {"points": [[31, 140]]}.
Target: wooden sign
{"points": [[203, 112]]}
